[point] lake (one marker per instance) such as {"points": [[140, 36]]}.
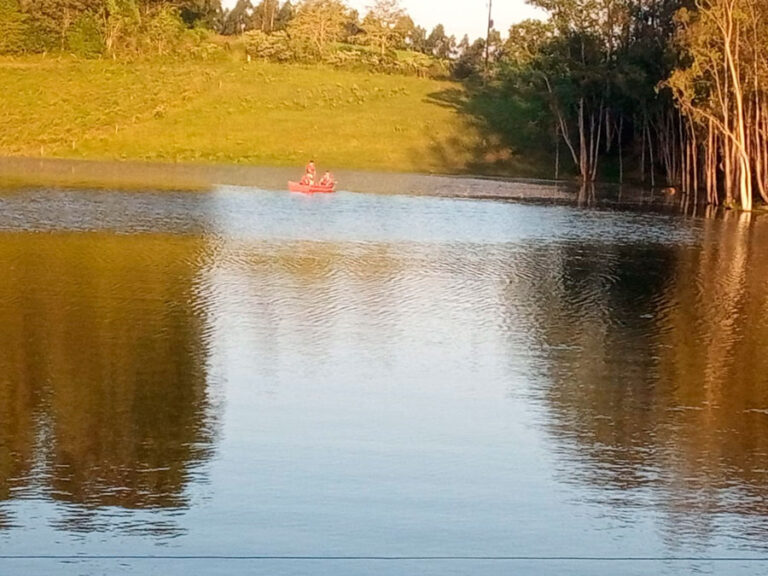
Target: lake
{"points": [[245, 381]]}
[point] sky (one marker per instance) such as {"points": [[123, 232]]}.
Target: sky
{"points": [[461, 16], [458, 16]]}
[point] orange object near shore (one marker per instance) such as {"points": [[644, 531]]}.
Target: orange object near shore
{"points": [[311, 189]]}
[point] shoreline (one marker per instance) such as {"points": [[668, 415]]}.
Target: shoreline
{"points": [[25, 172]]}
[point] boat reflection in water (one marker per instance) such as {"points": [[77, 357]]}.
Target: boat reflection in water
{"points": [[103, 397]]}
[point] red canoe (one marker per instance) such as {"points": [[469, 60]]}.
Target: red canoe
{"points": [[315, 189]]}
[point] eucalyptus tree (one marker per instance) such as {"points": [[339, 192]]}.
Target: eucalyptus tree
{"points": [[108, 26], [721, 91], [598, 65], [574, 68]]}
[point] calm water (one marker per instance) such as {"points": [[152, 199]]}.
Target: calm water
{"points": [[243, 373]]}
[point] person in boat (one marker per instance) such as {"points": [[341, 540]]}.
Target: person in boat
{"points": [[327, 179], [309, 174], [307, 180]]}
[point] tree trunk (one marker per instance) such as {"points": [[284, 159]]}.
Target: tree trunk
{"points": [[583, 162], [621, 154]]}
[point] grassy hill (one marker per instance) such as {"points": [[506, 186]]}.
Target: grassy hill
{"points": [[228, 112]]}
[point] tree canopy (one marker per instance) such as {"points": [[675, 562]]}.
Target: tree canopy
{"points": [[674, 88], [101, 27], [385, 25]]}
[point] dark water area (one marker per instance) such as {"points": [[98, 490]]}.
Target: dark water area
{"points": [[244, 381]]}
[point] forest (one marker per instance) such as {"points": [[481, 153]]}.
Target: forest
{"points": [[665, 93]]}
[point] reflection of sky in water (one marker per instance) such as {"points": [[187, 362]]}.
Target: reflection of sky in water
{"points": [[416, 377], [253, 214]]}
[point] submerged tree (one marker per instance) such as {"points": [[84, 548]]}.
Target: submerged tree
{"points": [[721, 92], [572, 67], [678, 85], [598, 65]]}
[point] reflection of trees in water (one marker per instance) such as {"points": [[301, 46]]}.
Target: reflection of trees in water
{"points": [[656, 369], [103, 398]]}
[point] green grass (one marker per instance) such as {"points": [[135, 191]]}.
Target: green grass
{"points": [[229, 112]]}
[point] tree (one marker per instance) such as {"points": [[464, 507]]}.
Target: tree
{"points": [[417, 39], [574, 73], [495, 50], [381, 25], [318, 23], [265, 16], [463, 45], [238, 20], [721, 91], [198, 13], [580, 63], [352, 28], [284, 16], [440, 45], [525, 42], [471, 57], [49, 21], [121, 22], [162, 30], [404, 29]]}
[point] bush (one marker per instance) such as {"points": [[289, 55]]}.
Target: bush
{"points": [[280, 47], [275, 47], [355, 58], [199, 44], [13, 28], [163, 31], [85, 39]]}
